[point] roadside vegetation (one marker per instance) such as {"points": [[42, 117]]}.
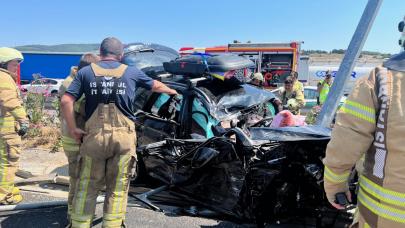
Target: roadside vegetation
{"points": [[364, 54], [44, 131]]}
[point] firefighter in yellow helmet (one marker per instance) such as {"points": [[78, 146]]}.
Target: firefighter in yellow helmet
{"points": [[13, 124], [372, 123], [108, 149], [70, 146]]}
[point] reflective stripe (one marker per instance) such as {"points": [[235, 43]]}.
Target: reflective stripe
{"points": [[7, 129], [3, 164], [120, 183], [7, 125], [113, 220], [359, 110], [19, 112], [7, 121], [356, 114], [334, 177], [83, 186], [369, 110], [381, 210], [4, 85], [80, 221], [383, 194], [70, 144]]}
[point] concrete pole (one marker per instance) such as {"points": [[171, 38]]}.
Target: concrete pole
{"points": [[346, 67]]}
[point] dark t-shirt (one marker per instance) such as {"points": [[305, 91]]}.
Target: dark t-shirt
{"points": [[85, 82]]}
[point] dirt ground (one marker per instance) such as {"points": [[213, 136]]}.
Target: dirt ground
{"points": [[41, 162]]}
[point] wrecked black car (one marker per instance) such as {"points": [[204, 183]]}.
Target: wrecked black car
{"points": [[212, 146], [209, 101], [272, 175]]}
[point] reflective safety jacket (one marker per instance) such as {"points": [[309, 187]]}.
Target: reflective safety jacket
{"points": [[11, 109], [324, 92], [298, 86], [372, 123], [297, 104], [78, 105]]}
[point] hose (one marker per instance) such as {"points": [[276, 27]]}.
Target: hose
{"points": [[37, 205]]}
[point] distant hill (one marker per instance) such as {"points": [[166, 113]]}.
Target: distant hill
{"points": [[60, 48], [373, 54]]}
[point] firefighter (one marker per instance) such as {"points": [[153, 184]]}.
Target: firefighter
{"points": [[257, 79], [292, 100], [297, 84], [70, 146], [108, 148], [371, 122], [13, 124], [324, 87]]}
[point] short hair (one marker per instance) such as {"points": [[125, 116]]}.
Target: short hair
{"points": [[288, 80], [87, 59], [111, 46]]}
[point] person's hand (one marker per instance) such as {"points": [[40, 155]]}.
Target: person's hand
{"points": [[173, 92], [340, 207], [78, 134], [24, 126]]}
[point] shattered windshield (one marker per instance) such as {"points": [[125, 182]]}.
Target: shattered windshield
{"points": [[231, 101]]}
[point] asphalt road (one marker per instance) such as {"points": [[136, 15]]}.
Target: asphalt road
{"points": [[137, 216]]}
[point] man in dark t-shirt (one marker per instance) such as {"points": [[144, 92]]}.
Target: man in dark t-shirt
{"points": [[109, 142], [85, 82]]}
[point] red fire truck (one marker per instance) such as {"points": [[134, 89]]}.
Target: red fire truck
{"points": [[274, 60]]}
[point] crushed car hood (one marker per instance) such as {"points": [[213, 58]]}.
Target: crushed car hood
{"points": [[231, 103], [244, 180]]}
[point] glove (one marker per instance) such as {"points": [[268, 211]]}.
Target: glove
{"points": [[24, 126]]}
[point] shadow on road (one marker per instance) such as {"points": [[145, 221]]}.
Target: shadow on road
{"points": [[49, 217]]}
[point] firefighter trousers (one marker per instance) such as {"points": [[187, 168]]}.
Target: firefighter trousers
{"points": [[71, 149], [9, 156], [106, 154]]}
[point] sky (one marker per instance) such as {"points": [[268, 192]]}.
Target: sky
{"points": [[321, 24]]}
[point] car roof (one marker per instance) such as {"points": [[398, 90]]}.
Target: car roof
{"points": [[55, 79]]}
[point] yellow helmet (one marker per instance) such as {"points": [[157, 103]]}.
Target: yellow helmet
{"points": [[258, 76], [8, 54]]}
